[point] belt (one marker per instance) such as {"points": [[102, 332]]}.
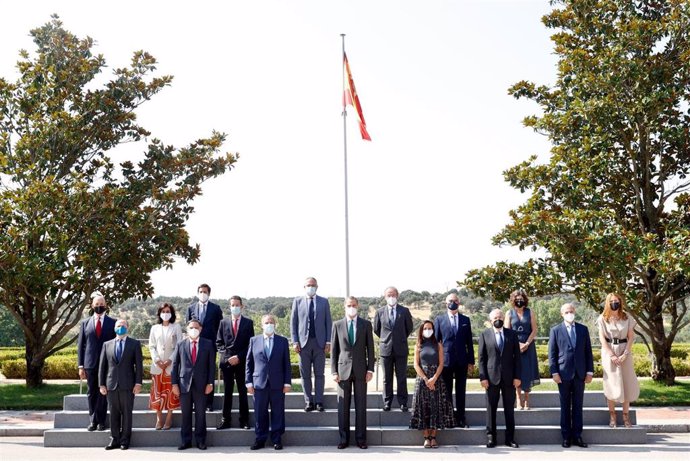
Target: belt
{"points": [[616, 340]]}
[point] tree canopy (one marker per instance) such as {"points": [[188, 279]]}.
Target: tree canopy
{"points": [[74, 219], [610, 210]]}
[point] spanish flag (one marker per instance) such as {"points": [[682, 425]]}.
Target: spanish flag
{"points": [[350, 97]]}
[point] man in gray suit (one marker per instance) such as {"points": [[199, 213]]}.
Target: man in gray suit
{"points": [[393, 324], [310, 331], [352, 366], [120, 375]]}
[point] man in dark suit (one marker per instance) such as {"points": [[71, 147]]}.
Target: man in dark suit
{"points": [[393, 324], [209, 316], [310, 331], [268, 376], [352, 366], [119, 376], [93, 333], [572, 366], [192, 373], [499, 374], [233, 342], [454, 331]]}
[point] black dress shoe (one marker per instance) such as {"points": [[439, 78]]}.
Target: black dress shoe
{"points": [[580, 443], [100, 427], [512, 444], [319, 407], [245, 426], [224, 424], [309, 407], [91, 427], [490, 444], [278, 446], [387, 407], [201, 445], [185, 446], [112, 446], [362, 445], [257, 446], [342, 446], [566, 444], [124, 446], [404, 408]]}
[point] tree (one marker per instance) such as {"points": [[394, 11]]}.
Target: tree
{"points": [[610, 210], [71, 219]]}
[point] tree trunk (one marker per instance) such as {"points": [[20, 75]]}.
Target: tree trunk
{"points": [[34, 366], [662, 368]]}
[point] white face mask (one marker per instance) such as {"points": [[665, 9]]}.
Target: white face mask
{"points": [[311, 291], [392, 300], [428, 333], [570, 317], [351, 311], [193, 332], [235, 310], [166, 316], [269, 329], [203, 297]]}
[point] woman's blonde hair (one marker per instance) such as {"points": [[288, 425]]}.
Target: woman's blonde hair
{"points": [[607, 307]]}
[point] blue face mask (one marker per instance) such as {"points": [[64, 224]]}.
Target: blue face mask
{"points": [[121, 330], [453, 306]]}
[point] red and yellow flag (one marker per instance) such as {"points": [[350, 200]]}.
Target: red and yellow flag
{"points": [[350, 97]]}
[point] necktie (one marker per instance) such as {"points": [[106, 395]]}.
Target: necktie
{"points": [[202, 313], [267, 346], [455, 324], [98, 327], [193, 352], [118, 350], [351, 332], [234, 327], [500, 341], [572, 335], [391, 317], [312, 329]]}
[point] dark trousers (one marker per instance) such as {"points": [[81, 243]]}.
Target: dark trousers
{"points": [[232, 374], [572, 395], [345, 388], [193, 401], [98, 403], [493, 393], [263, 399], [399, 363], [459, 374], [121, 405], [312, 356]]}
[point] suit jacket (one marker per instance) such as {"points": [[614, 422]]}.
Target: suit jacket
{"points": [[568, 361], [212, 318], [89, 346], [162, 344], [201, 373], [458, 348], [495, 366], [299, 321], [268, 373], [352, 360], [228, 344], [122, 375], [393, 340]]}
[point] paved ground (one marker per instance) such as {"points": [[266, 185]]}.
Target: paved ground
{"points": [[669, 446]]}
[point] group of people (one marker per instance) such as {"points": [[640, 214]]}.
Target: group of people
{"points": [[183, 367]]}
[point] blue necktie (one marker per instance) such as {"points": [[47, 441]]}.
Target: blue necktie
{"points": [[500, 341], [572, 335], [267, 347], [391, 317], [118, 350], [455, 323], [312, 327]]}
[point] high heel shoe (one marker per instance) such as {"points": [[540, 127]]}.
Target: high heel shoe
{"points": [[427, 442], [433, 441], [159, 423], [626, 420], [612, 418], [168, 422]]}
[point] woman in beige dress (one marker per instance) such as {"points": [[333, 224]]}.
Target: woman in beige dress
{"points": [[616, 335], [163, 338]]}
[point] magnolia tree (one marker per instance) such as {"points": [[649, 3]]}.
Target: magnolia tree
{"points": [[609, 210], [72, 218]]}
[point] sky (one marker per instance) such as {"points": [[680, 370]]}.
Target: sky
{"points": [[425, 195]]}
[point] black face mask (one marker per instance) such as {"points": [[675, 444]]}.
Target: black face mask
{"points": [[520, 302], [615, 306], [99, 309], [453, 306], [498, 323]]}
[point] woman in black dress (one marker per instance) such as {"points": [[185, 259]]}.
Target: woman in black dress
{"points": [[431, 408]]}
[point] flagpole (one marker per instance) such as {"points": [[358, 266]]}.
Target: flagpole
{"points": [[347, 225]]}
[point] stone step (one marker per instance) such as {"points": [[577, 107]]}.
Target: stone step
{"points": [[476, 417], [295, 400], [376, 435]]}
